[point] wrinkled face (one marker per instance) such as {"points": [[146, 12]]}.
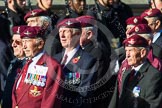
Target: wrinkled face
{"points": [[31, 47], [17, 46], [68, 37], [77, 5], [133, 55], [33, 21], [21, 3], [46, 3], [158, 4]]}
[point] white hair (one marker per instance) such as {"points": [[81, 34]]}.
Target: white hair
{"points": [[47, 22], [92, 28]]}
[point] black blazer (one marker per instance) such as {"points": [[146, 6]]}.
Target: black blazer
{"points": [[159, 41], [149, 81]]}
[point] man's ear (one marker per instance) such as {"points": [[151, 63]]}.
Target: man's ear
{"points": [[40, 44], [89, 34], [158, 24], [143, 52]]}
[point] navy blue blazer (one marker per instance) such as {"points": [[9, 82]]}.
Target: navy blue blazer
{"points": [[80, 73]]}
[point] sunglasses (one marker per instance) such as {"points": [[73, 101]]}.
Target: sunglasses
{"points": [[17, 42]]}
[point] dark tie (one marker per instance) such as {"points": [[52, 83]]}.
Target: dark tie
{"points": [[132, 73], [64, 60], [23, 74]]}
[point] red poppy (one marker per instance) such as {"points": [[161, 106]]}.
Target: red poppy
{"points": [[75, 60]]}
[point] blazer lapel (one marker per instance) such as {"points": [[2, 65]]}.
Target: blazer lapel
{"points": [[25, 88], [14, 98], [124, 80], [75, 61], [136, 79]]}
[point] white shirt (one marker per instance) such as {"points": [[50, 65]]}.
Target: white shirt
{"points": [[137, 68], [155, 37], [33, 63], [70, 54]]}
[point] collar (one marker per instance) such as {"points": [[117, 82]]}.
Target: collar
{"points": [[71, 54], [37, 57], [156, 36], [137, 68]]}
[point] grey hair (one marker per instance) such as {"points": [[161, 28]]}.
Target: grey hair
{"points": [[93, 29], [146, 36], [147, 48], [46, 20], [75, 30]]}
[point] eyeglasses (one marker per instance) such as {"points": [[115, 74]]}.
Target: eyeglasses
{"points": [[17, 42]]}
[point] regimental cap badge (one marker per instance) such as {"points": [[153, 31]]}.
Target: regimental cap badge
{"points": [[136, 41], [33, 32], [27, 33], [69, 23], [136, 29], [135, 20], [33, 13], [18, 30], [132, 41], [149, 12]]}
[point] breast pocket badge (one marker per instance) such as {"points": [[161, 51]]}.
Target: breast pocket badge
{"points": [[35, 92]]}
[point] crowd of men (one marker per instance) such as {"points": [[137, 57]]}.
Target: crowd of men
{"points": [[100, 57]]}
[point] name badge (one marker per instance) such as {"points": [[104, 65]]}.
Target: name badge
{"points": [[136, 91]]}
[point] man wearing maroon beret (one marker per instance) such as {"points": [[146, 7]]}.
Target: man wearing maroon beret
{"points": [[39, 17], [154, 18], [37, 85], [145, 31], [132, 21], [90, 44], [15, 65], [79, 67], [141, 83]]}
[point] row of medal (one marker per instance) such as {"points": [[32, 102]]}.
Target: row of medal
{"points": [[72, 78], [35, 79]]}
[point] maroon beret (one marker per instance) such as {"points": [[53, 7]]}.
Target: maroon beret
{"points": [[69, 23], [135, 41], [86, 20], [34, 13], [32, 32], [18, 29], [136, 20], [151, 13], [140, 29]]}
